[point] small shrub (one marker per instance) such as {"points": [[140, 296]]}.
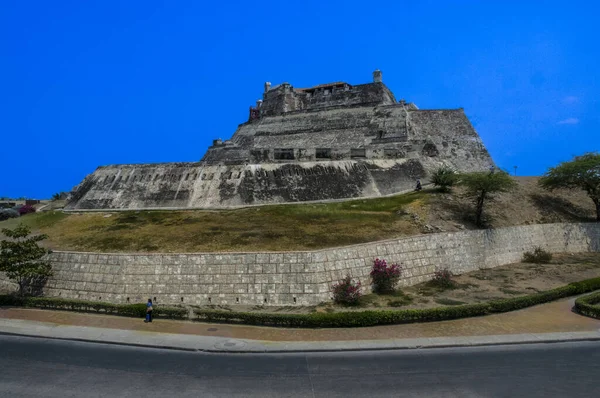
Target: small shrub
{"points": [[26, 209], [55, 303], [538, 256], [443, 279], [444, 178], [346, 291], [589, 305], [385, 277], [5, 214]]}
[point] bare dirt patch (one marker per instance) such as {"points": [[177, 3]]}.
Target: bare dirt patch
{"points": [[526, 204]]}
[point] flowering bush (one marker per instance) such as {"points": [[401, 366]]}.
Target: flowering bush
{"points": [[26, 209], [346, 291], [443, 278], [384, 276]]}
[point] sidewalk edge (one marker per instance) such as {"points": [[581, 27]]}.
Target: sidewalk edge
{"points": [[390, 347]]}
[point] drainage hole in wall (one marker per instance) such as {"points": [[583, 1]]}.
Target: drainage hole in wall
{"points": [[127, 299], [209, 299], [154, 298], [182, 299], [265, 301], [237, 299], [294, 300]]}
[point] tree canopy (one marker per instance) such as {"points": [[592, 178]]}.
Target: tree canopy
{"points": [[444, 178], [482, 185], [582, 172], [21, 258]]}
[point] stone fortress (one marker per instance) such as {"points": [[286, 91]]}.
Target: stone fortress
{"points": [[331, 141]]}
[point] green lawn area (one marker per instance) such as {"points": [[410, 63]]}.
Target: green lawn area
{"points": [[273, 228]]}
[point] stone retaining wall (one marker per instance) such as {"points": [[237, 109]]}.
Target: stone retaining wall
{"points": [[297, 278]]}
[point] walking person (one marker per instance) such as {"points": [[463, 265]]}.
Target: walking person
{"points": [[148, 311], [418, 187]]}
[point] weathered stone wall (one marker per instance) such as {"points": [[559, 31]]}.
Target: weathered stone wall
{"points": [[191, 185], [297, 277]]}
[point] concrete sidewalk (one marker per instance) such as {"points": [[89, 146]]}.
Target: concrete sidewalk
{"points": [[550, 322]]}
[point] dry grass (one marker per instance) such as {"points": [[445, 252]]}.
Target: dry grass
{"points": [[272, 228], [302, 226]]}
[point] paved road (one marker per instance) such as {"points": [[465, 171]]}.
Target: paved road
{"points": [[32, 367]]}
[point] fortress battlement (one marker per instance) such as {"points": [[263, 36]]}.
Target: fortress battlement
{"points": [[284, 98]]}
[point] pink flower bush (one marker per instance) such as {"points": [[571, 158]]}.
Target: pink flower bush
{"points": [[26, 209], [346, 291], [385, 277], [443, 279]]}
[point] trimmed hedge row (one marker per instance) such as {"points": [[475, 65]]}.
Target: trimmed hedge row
{"points": [[131, 310], [589, 305], [584, 305], [389, 317]]}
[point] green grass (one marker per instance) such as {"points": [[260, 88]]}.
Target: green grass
{"points": [[272, 228], [35, 220], [510, 291], [396, 299], [448, 301]]}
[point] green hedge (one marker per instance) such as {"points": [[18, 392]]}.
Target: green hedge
{"points": [[132, 310], [589, 305], [584, 305], [390, 317]]}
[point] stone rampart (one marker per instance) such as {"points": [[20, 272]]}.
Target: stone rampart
{"points": [[297, 278], [339, 154]]}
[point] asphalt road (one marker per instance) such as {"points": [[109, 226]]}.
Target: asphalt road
{"points": [[31, 367]]}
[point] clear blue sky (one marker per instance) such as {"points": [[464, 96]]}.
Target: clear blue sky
{"points": [[89, 83]]}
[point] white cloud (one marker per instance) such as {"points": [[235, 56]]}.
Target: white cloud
{"points": [[571, 99], [571, 120]]}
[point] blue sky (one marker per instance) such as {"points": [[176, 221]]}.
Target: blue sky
{"points": [[89, 83]]}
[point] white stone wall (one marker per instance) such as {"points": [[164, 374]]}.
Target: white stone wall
{"points": [[298, 278]]}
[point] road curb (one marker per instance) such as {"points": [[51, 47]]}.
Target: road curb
{"points": [[256, 350], [81, 340], [407, 348]]}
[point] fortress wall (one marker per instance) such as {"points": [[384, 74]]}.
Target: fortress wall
{"points": [[399, 146], [301, 278], [134, 186], [455, 140], [189, 185]]}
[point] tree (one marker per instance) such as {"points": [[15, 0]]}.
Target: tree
{"points": [[583, 172], [56, 196], [22, 259], [482, 185], [444, 177]]}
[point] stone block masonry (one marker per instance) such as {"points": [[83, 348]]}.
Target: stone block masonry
{"points": [[297, 278]]}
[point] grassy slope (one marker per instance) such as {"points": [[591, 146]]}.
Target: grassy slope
{"points": [[273, 228], [302, 226]]}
